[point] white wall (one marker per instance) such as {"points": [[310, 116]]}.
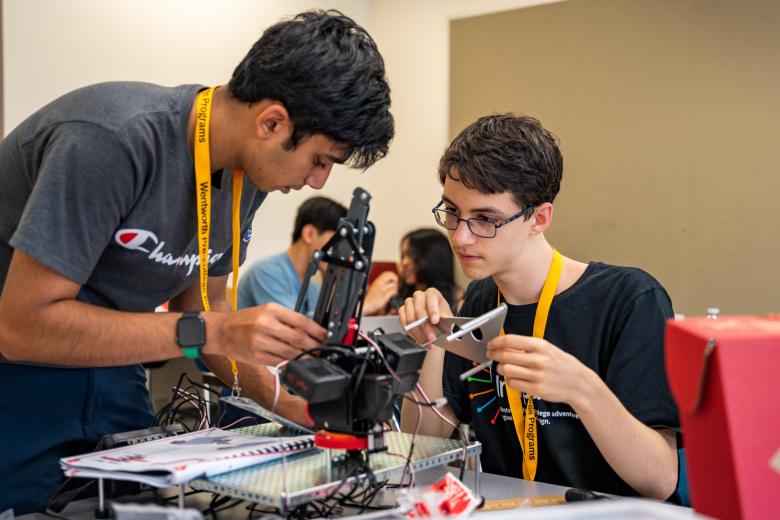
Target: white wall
{"points": [[51, 47], [413, 37]]}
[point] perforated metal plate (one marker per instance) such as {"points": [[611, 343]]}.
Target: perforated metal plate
{"points": [[299, 479]]}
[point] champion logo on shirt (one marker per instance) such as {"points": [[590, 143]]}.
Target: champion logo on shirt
{"points": [[147, 242], [247, 236]]}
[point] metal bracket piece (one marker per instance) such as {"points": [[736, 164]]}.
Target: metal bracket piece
{"points": [[468, 337]]}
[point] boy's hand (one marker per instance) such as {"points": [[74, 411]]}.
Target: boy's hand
{"points": [[537, 367], [264, 335], [429, 303]]}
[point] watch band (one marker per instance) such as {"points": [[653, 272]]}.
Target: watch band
{"points": [[191, 352]]}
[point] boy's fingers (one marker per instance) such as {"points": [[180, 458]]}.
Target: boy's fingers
{"points": [[432, 306]]}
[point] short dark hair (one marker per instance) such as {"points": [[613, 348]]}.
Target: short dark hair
{"points": [[434, 263], [321, 212], [327, 72], [506, 153]]}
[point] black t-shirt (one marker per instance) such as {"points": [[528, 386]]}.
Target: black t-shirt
{"points": [[612, 320]]}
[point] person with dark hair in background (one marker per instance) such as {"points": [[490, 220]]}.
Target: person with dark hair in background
{"points": [[118, 197], [278, 278], [577, 394], [427, 261]]}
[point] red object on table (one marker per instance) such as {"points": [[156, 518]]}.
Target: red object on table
{"points": [[725, 376]]}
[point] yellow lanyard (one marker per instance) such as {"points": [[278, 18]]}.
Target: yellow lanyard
{"points": [[203, 200], [525, 423]]}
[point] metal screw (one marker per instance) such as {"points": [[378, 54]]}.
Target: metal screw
{"points": [[359, 265]]}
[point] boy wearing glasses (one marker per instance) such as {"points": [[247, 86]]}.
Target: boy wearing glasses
{"points": [[577, 394]]}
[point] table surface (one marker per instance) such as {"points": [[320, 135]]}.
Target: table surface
{"points": [[492, 486]]}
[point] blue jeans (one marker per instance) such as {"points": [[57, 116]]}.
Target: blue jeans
{"points": [[48, 413]]}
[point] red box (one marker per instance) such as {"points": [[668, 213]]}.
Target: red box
{"points": [[725, 376]]}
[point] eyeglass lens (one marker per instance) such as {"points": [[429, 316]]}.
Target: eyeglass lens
{"points": [[479, 227]]}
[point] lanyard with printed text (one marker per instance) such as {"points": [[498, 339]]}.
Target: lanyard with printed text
{"points": [[203, 201], [525, 423]]}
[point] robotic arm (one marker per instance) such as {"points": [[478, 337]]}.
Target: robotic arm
{"points": [[350, 383]]}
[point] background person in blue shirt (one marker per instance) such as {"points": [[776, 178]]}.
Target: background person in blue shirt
{"points": [[278, 278]]}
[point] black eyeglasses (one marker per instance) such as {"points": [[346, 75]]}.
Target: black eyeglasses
{"points": [[481, 227]]}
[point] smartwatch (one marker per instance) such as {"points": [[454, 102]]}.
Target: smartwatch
{"points": [[191, 334]]}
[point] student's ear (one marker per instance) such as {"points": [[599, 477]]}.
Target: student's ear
{"points": [[309, 233], [542, 218], [272, 120]]}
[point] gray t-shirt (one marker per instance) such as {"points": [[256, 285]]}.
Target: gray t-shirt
{"points": [[99, 185]]}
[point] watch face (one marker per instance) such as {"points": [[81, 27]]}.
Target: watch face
{"points": [[191, 331]]}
